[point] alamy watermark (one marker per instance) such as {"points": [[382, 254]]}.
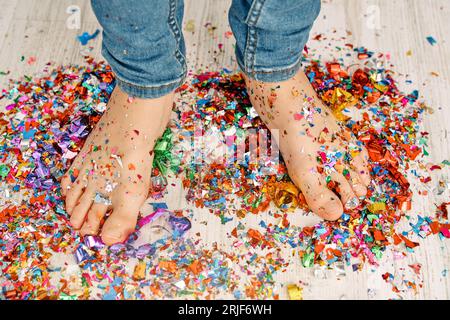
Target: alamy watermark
{"points": [[74, 19]]}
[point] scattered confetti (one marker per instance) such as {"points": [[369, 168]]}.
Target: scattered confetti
{"points": [[47, 118]]}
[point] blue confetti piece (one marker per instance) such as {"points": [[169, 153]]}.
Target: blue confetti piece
{"points": [[431, 40], [86, 37], [29, 134], [159, 205]]}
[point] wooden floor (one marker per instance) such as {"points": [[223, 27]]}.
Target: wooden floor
{"points": [[38, 28]]}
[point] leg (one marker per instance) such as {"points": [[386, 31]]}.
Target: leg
{"points": [[270, 36], [142, 41]]}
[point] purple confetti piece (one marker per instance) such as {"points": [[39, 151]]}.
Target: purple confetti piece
{"points": [[117, 247], [93, 242], [145, 250], [47, 184], [81, 255], [180, 224], [130, 251]]}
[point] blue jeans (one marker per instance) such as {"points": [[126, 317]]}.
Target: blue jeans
{"points": [[143, 40]]}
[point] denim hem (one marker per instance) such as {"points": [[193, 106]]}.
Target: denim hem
{"points": [[252, 35], [277, 74], [177, 33], [149, 92]]}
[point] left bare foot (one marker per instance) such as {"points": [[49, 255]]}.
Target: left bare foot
{"points": [[315, 147]]}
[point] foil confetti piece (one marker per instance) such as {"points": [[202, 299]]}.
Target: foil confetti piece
{"points": [[139, 271], [103, 199], [295, 292]]}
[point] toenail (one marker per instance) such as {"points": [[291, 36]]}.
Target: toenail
{"points": [[88, 230], [87, 226], [359, 187], [352, 203], [326, 214], [73, 221], [114, 235]]}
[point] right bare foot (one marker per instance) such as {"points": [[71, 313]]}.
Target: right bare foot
{"points": [[112, 171]]}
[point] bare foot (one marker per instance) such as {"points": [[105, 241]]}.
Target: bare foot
{"points": [[112, 171], [323, 158]]}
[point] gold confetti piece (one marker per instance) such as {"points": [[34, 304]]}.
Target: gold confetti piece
{"points": [[341, 99], [377, 207], [139, 271], [295, 292], [381, 87], [286, 196], [190, 26]]}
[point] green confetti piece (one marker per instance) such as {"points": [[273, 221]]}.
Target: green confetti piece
{"points": [[4, 170], [372, 217], [377, 252], [64, 296], [161, 145], [164, 159], [308, 259]]}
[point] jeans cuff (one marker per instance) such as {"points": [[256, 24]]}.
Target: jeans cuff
{"points": [[276, 74], [149, 92]]}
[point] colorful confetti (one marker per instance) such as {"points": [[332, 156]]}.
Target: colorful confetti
{"points": [[46, 120]]}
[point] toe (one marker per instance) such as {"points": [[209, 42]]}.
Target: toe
{"points": [[328, 205], [119, 225], [93, 219], [70, 176], [72, 195], [357, 185], [364, 155], [362, 168], [319, 198], [348, 196], [81, 208], [65, 184]]}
